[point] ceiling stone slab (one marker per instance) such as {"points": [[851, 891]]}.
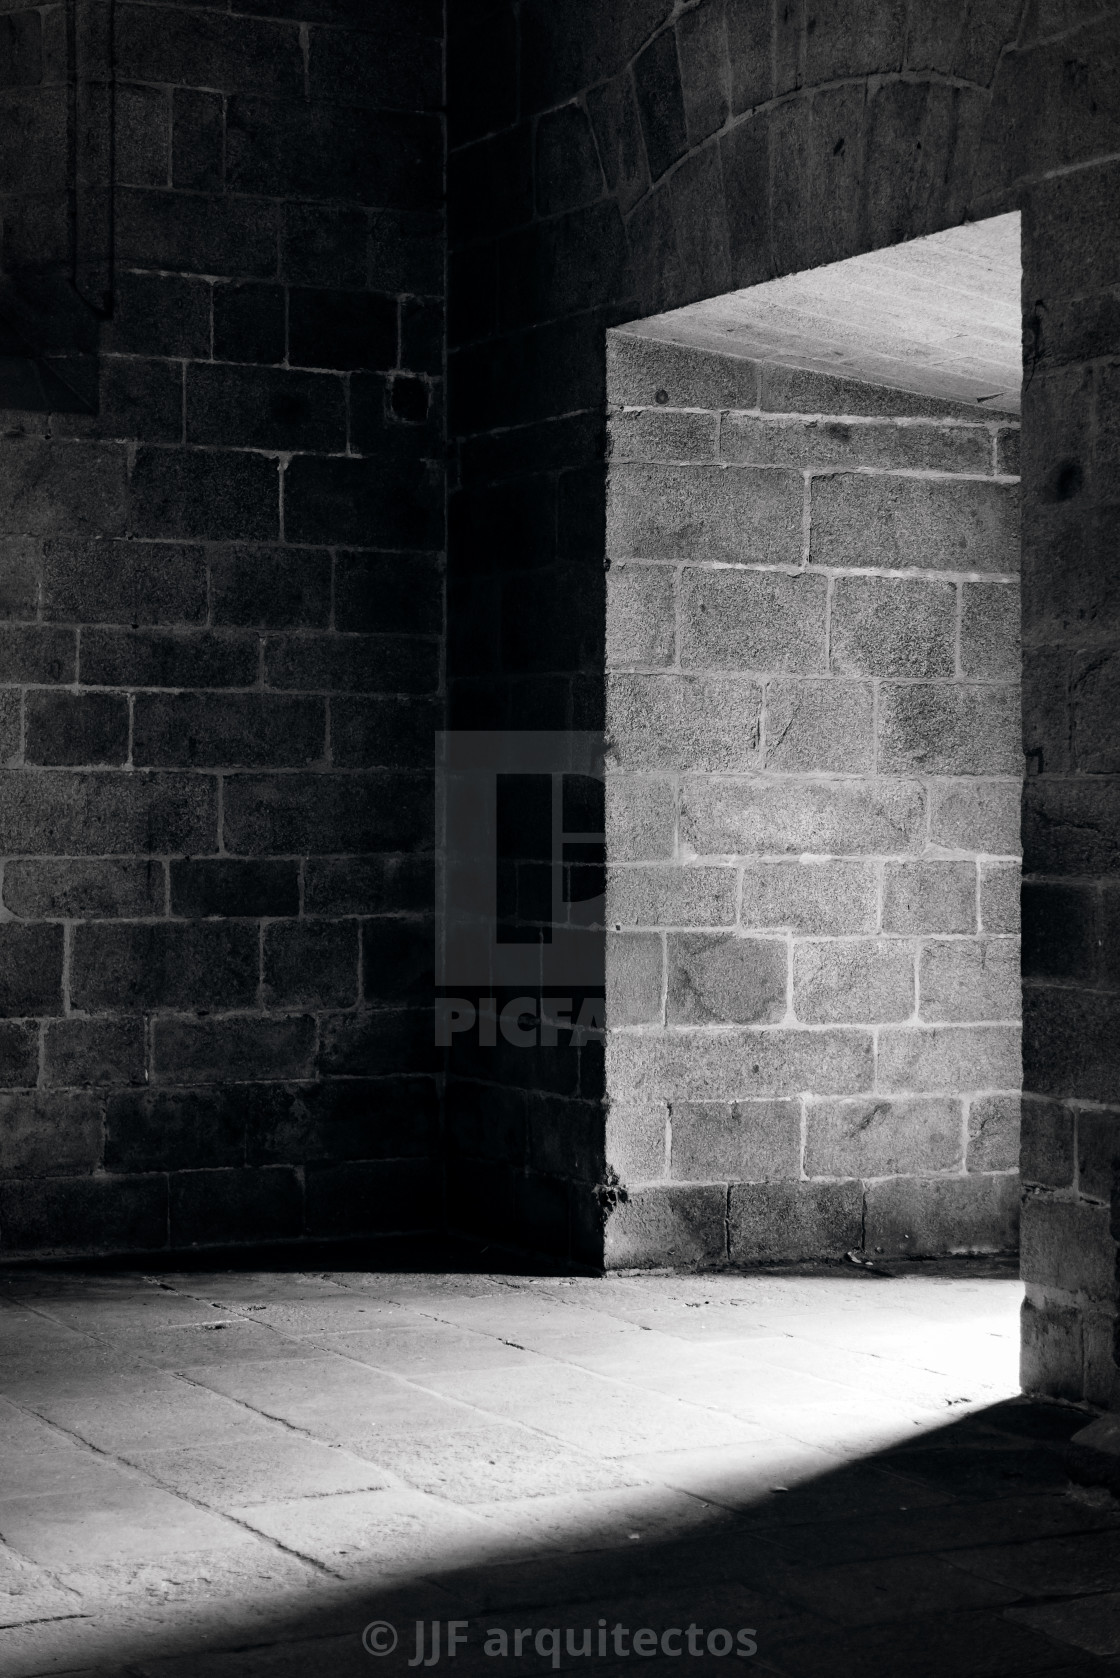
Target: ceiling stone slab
{"points": [[938, 316]]}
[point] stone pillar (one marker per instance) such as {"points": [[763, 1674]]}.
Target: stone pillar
{"points": [[1071, 813]]}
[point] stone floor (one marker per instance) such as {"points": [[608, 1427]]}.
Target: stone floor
{"points": [[234, 1474]]}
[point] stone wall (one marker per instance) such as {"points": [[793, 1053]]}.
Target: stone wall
{"points": [[1071, 815], [221, 660], [812, 840]]}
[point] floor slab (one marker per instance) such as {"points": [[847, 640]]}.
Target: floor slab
{"points": [[232, 1475]]}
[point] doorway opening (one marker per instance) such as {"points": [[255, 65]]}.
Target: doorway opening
{"points": [[815, 762]]}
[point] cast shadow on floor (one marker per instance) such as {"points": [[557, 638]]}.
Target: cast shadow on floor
{"points": [[966, 1553]]}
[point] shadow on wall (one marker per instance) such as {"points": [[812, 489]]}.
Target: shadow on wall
{"points": [[964, 1552]]}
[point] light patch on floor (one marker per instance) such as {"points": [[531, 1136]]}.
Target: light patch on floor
{"points": [[189, 1461]]}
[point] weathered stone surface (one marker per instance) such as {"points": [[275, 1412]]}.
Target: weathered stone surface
{"points": [[49, 1135], [947, 729], [72, 489], [634, 978], [826, 897], [949, 1058], [975, 815], [879, 1138], [922, 1215], [730, 514], [1068, 1246], [819, 727], [735, 619], [1000, 887], [881, 628], [635, 1143], [824, 818], [638, 367], [662, 895], [1071, 1042], [853, 980], [990, 631], [738, 1064], [1094, 695], [1051, 1348], [788, 1220], [716, 980], [1047, 1148], [929, 897], [683, 722], [994, 1133], [663, 434], [680, 1224], [641, 817], [1098, 1154], [969, 979], [740, 1141], [901, 524], [641, 625], [763, 440]]}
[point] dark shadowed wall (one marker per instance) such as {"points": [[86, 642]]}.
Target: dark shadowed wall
{"points": [[221, 654], [1071, 720]]}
